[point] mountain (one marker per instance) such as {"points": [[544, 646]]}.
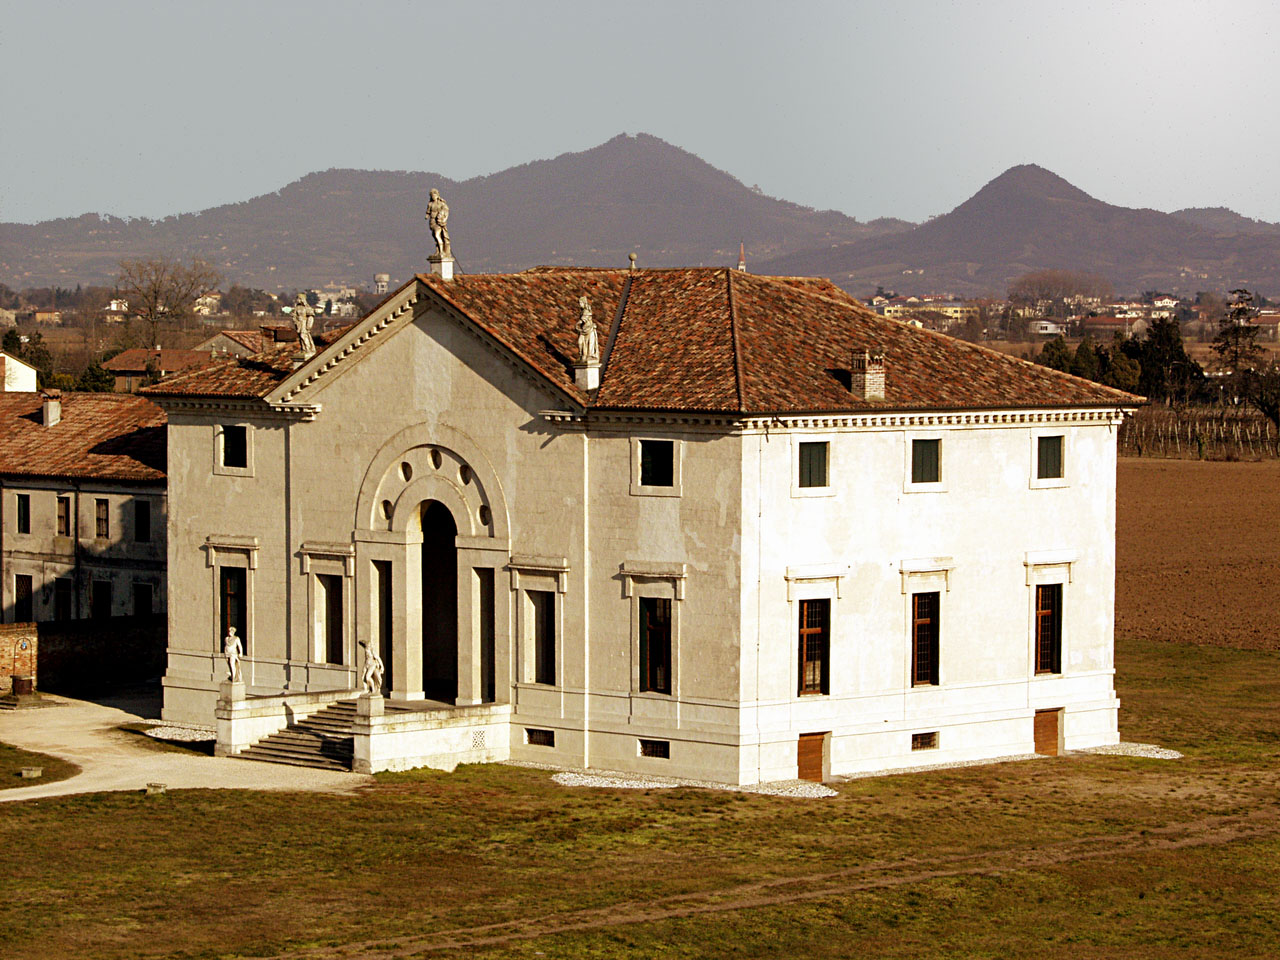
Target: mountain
{"points": [[1028, 218], [632, 193], [1225, 222]]}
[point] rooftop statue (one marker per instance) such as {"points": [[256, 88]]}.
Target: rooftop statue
{"points": [[303, 316], [437, 218], [588, 338]]}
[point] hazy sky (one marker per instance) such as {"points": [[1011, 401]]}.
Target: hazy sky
{"points": [[876, 109]]}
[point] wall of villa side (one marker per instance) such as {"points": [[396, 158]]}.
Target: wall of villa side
{"points": [[971, 538]]}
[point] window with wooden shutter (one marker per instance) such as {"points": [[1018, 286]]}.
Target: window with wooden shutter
{"points": [[815, 644], [102, 519], [1049, 628], [64, 516], [926, 461], [924, 639]]}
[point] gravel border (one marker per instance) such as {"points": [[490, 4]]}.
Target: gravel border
{"points": [[180, 733], [1149, 750], [614, 780]]}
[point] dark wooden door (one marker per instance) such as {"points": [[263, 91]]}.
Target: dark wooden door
{"points": [[1046, 732], [809, 755]]}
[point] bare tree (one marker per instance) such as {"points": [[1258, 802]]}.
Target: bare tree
{"points": [[162, 288]]}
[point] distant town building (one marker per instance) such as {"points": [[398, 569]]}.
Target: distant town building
{"points": [[134, 368], [84, 505], [380, 283]]}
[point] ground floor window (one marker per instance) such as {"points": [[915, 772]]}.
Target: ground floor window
{"points": [[22, 589], [233, 602], [924, 639], [62, 598], [1049, 628], [100, 600], [328, 618], [815, 646], [143, 600], [655, 644], [543, 623]]}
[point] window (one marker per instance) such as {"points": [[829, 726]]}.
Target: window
{"points": [[233, 603], [64, 516], [24, 513], [924, 639], [926, 461], [143, 604], [656, 748], [62, 596], [543, 626], [539, 738], [657, 459], [815, 643], [102, 519], [100, 600], [328, 618], [235, 446], [22, 587], [1049, 458], [813, 464], [1049, 628], [655, 645], [925, 741], [142, 521]]}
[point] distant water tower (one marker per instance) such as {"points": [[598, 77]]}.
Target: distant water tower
{"points": [[380, 282]]}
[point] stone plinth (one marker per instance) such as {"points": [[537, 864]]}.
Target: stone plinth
{"points": [[587, 375], [441, 267]]}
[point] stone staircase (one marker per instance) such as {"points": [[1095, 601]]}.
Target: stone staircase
{"points": [[323, 741]]}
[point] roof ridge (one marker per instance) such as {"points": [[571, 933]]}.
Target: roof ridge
{"points": [[733, 337]]}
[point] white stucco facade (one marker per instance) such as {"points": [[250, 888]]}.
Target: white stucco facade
{"points": [[548, 500]]}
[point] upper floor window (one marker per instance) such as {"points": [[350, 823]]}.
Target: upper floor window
{"points": [[235, 446], [813, 463], [926, 460], [64, 516], [102, 519], [656, 463], [1049, 464], [655, 467], [142, 521], [24, 513]]}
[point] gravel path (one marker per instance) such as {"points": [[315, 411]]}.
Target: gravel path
{"points": [[86, 734]]}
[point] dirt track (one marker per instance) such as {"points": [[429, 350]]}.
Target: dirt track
{"points": [[1195, 574]]}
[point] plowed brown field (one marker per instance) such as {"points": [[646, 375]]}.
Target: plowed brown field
{"points": [[1198, 552]]}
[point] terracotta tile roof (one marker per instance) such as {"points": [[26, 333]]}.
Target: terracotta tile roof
{"points": [[714, 340], [249, 339], [103, 436], [165, 360]]}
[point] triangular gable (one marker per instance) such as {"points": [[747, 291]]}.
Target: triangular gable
{"points": [[393, 314]]}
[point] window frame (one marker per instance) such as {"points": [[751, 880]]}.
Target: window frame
{"points": [[142, 586], [220, 466], [1048, 618], [798, 445], [821, 641], [661, 581], [22, 513], [142, 508], [101, 518], [1036, 482], [915, 623], [640, 489], [20, 597], [542, 617], [335, 561], [910, 485], [63, 517], [647, 681]]}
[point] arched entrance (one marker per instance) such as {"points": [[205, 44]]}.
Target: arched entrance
{"points": [[439, 603]]}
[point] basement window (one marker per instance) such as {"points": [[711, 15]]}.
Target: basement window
{"points": [[925, 741], [656, 748], [539, 738]]}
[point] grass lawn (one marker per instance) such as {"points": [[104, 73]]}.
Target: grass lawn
{"points": [[12, 760], [1084, 856]]}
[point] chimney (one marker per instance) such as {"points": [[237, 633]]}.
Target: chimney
{"points": [[867, 382], [52, 407]]}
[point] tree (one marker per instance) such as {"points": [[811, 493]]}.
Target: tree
{"points": [[95, 379], [1261, 390], [1085, 362], [1058, 286], [12, 344], [1056, 355], [1118, 369], [1167, 372], [1237, 341], [163, 289]]}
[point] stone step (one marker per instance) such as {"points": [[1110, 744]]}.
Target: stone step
{"points": [[314, 763], [301, 740], [302, 750]]}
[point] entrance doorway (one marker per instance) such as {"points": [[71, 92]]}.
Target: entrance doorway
{"points": [[439, 603]]}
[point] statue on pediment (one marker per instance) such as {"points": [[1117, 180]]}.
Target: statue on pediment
{"points": [[437, 219], [303, 316], [588, 338]]}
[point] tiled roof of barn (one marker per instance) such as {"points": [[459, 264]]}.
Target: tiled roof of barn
{"points": [[710, 340], [102, 436]]}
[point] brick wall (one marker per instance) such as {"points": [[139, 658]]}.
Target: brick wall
{"points": [[100, 656], [18, 645]]}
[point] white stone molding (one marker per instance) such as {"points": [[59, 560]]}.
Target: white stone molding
{"points": [[631, 570], [527, 564], [812, 573], [245, 546], [344, 553], [1036, 560], [924, 566]]}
